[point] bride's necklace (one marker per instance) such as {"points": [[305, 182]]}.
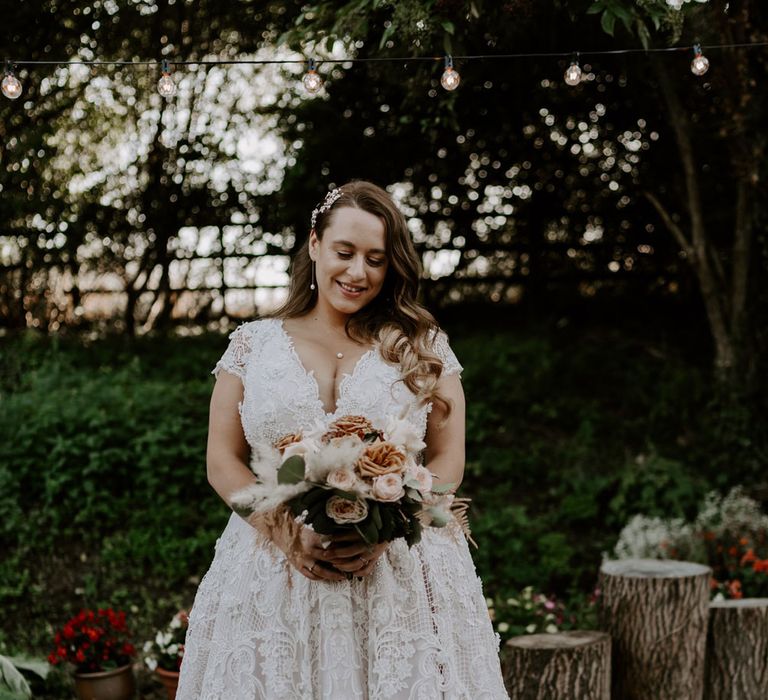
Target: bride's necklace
{"points": [[340, 355]]}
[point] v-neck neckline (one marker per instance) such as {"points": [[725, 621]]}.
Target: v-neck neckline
{"points": [[310, 374]]}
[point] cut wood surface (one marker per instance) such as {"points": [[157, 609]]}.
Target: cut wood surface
{"points": [[562, 666], [737, 650], [656, 612]]}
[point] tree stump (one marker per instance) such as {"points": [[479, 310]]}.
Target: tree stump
{"points": [[561, 666], [737, 649], [656, 612]]}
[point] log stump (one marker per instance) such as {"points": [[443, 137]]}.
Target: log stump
{"points": [[737, 649], [656, 612], [574, 665]]}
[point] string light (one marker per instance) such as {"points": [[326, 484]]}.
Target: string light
{"points": [[450, 79], [11, 86], [700, 63], [573, 72], [165, 86], [312, 80]]}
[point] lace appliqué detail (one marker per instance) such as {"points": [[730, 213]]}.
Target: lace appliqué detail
{"points": [[235, 357], [443, 350]]}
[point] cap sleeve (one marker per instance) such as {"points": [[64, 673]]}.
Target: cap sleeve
{"points": [[451, 364], [236, 355]]}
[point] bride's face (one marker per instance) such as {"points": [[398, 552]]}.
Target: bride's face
{"points": [[350, 260]]}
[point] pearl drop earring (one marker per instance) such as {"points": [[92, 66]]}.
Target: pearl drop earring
{"points": [[312, 282]]}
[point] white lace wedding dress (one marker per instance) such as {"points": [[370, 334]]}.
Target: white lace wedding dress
{"points": [[416, 628]]}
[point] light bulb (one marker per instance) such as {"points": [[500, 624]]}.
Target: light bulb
{"points": [[700, 63], [165, 86], [312, 80], [450, 79], [573, 73], [11, 86]]}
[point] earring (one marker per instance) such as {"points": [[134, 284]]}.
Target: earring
{"points": [[312, 282]]}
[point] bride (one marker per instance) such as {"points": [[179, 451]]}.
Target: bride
{"points": [[280, 614]]}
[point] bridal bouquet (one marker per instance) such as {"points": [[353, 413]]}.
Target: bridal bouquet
{"points": [[351, 475]]}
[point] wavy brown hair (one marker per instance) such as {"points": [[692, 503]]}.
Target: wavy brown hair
{"points": [[395, 319]]}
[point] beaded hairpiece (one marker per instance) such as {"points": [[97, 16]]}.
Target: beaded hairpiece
{"points": [[330, 198]]}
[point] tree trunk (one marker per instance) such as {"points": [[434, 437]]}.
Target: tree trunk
{"points": [[737, 649], [561, 666], [656, 613], [699, 250]]}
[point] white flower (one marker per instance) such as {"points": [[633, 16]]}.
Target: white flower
{"points": [[344, 479], [388, 487], [147, 646], [260, 498], [404, 434], [265, 460], [173, 649], [339, 453], [151, 663], [531, 628], [424, 477], [175, 622], [301, 448], [551, 629], [342, 510]]}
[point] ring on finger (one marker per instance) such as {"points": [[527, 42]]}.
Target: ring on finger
{"points": [[309, 568]]}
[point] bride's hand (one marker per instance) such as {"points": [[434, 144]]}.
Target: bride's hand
{"points": [[312, 559], [349, 553]]}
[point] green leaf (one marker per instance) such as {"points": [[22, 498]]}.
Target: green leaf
{"points": [[291, 471], [607, 22], [12, 683], [414, 494], [388, 32], [368, 531], [376, 515], [442, 488], [448, 26], [242, 511], [348, 495], [643, 34], [596, 8]]}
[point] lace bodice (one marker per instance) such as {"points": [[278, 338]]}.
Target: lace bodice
{"points": [[280, 396]]}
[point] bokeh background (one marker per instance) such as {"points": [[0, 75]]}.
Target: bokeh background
{"points": [[597, 254]]}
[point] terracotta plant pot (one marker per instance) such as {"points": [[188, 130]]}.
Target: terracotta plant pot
{"points": [[170, 680], [106, 685]]}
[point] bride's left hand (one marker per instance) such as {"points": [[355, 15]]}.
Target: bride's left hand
{"points": [[350, 554]]}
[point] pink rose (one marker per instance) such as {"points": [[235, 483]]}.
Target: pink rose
{"points": [[342, 479], [424, 477], [388, 487], [342, 510]]}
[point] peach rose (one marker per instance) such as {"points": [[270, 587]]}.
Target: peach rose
{"points": [[388, 488], [343, 479], [286, 440], [348, 425], [380, 458], [342, 510]]}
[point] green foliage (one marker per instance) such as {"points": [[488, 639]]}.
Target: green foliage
{"points": [[655, 486], [104, 498], [103, 489]]}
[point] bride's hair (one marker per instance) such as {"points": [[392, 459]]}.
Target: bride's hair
{"points": [[405, 329]]}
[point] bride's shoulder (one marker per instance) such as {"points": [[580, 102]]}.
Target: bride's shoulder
{"points": [[243, 342]]}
